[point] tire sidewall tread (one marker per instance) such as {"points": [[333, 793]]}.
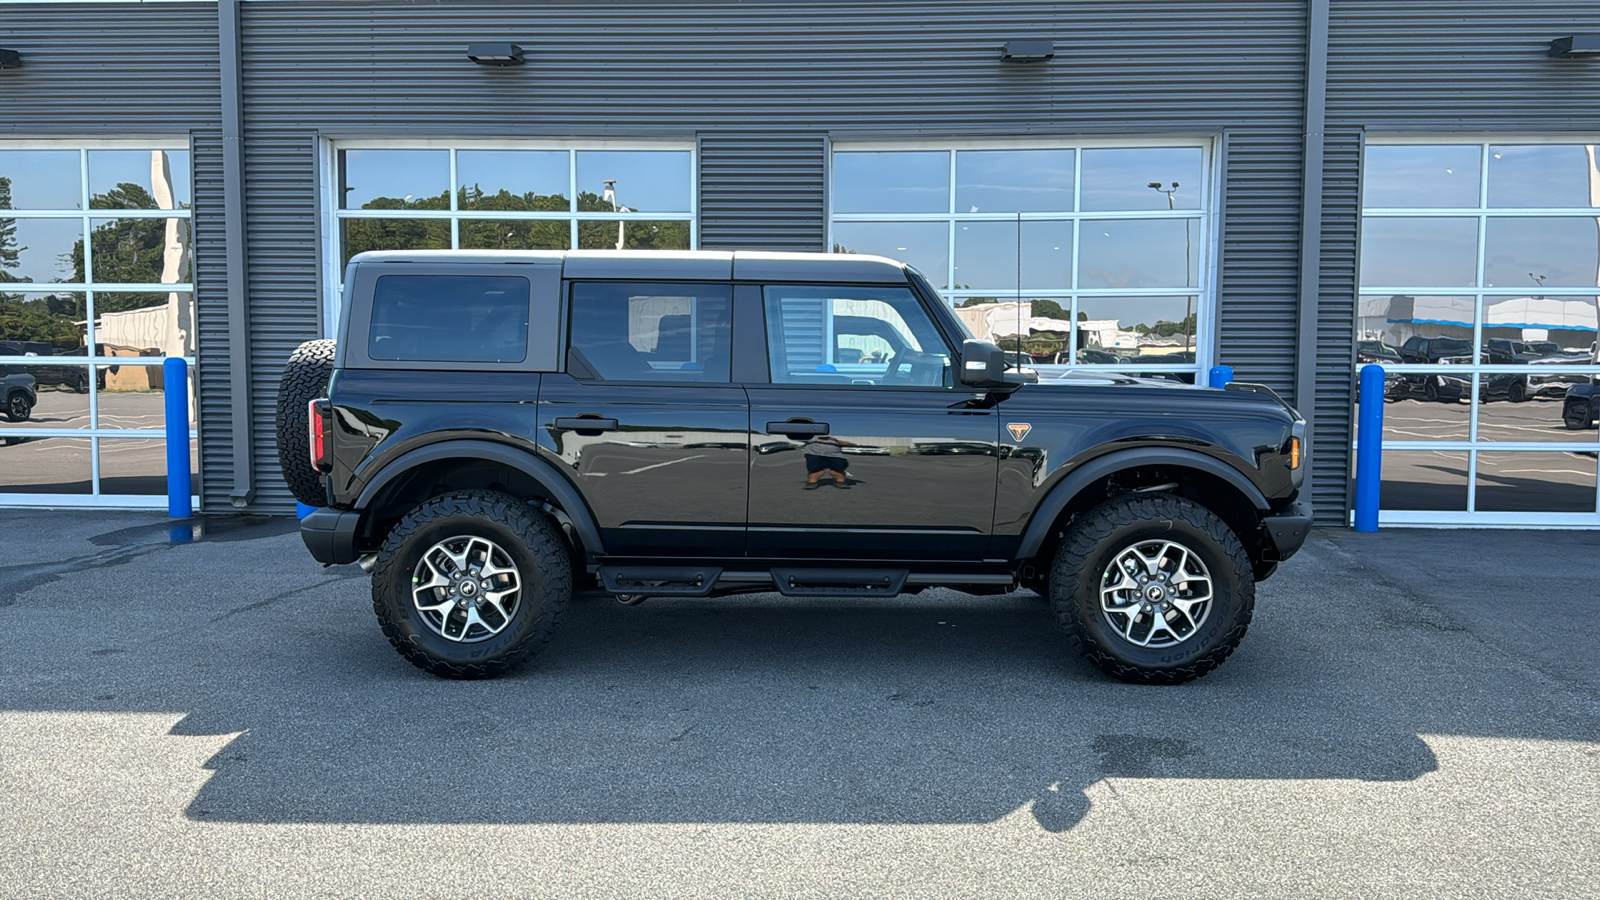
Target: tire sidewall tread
{"points": [[527, 535], [1094, 538], [305, 378]]}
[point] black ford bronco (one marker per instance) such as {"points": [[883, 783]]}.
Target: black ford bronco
{"points": [[495, 431]]}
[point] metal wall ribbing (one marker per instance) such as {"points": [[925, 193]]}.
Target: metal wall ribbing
{"points": [[763, 191], [717, 71], [1336, 312]]}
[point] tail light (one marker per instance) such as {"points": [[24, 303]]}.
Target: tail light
{"points": [[321, 414]]}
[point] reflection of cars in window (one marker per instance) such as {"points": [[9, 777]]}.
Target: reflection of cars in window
{"points": [[19, 397], [1376, 352], [75, 378]]}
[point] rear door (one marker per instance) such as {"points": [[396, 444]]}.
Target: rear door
{"points": [[863, 447], [646, 417]]}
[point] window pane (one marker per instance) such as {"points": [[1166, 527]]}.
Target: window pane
{"points": [[515, 234], [1408, 176], [987, 256], [150, 251], [41, 250], [1423, 252], [916, 181], [1532, 253], [652, 332], [925, 245], [1424, 480], [1415, 329], [450, 318], [146, 323], [521, 180], [633, 235], [1142, 331], [1128, 253], [1548, 330], [1013, 181], [40, 179], [132, 396], [139, 179], [361, 235], [853, 337], [1557, 176], [41, 324], [59, 397], [1536, 482], [1120, 179], [395, 179], [1413, 418], [653, 181], [1523, 419], [44, 465], [138, 466]]}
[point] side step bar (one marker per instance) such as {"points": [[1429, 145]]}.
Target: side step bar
{"points": [[660, 581], [839, 582]]}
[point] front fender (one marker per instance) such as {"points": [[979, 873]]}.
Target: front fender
{"points": [[1086, 473]]}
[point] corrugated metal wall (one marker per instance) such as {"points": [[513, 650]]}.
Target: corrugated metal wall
{"points": [[719, 72], [1477, 66], [763, 191], [122, 70]]}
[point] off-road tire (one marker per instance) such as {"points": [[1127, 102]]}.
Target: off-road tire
{"points": [[1094, 539], [1577, 413], [18, 407], [533, 542], [305, 378]]}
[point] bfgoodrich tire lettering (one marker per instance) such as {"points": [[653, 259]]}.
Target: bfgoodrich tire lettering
{"points": [[534, 547], [1105, 534], [305, 378]]}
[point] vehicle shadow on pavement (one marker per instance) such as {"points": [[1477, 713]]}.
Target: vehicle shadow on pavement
{"points": [[937, 708]]}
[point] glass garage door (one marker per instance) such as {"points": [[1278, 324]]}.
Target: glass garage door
{"points": [[1088, 255], [96, 292], [1480, 273]]}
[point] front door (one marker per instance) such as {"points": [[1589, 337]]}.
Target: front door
{"points": [[863, 447], [647, 420]]}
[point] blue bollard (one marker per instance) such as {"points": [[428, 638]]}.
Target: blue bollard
{"points": [[175, 381], [1220, 376], [1369, 447], [301, 510]]}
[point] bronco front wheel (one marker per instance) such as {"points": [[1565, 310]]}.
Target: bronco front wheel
{"points": [[1152, 588]]}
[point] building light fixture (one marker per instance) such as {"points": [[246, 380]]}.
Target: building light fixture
{"points": [[495, 54], [1576, 46], [1027, 51], [10, 59]]}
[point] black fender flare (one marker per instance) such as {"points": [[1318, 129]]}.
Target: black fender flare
{"points": [[560, 490], [1044, 516]]}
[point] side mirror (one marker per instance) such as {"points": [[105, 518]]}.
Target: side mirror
{"points": [[982, 364]]}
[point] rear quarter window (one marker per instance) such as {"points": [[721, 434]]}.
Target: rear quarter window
{"points": [[449, 318]]}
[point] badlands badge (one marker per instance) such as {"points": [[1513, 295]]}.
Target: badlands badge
{"points": [[1019, 430]]}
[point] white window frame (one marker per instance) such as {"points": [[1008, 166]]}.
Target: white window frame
{"points": [[96, 432], [332, 215], [1208, 216], [1482, 212]]}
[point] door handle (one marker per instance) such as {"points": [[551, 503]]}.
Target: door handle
{"points": [[585, 425], [798, 429]]}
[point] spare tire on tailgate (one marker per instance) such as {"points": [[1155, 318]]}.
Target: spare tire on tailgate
{"points": [[305, 378]]}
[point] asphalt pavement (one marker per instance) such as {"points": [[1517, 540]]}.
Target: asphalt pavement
{"points": [[203, 711]]}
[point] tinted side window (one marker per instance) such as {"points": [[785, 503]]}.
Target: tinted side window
{"points": [[637, 331], [450, 318], [853, 336]]}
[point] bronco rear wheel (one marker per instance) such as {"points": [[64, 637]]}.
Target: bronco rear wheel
{"points": [[1152, 588], [471, 584]]}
